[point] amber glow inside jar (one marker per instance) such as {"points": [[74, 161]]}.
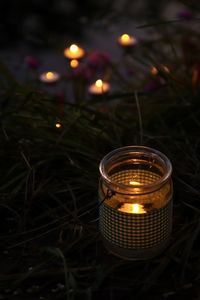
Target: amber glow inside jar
{"points": [[135, 192]]}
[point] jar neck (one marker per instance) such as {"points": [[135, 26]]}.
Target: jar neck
{"points": [[151, 168]]}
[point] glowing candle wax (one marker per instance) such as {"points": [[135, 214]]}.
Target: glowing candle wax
{"points": [[133, 208], [126, 40], [74, 52], [99, 87], [49, 77]]}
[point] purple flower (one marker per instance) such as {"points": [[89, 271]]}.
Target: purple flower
{"points": [[152, 85], [32, 62], [185, 15], [98, 60], [83, 71], [130, 73]]}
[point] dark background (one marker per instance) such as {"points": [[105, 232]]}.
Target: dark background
{"points": [[33, 21]]}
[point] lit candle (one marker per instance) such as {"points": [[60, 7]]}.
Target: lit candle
{"points": [[49, 77], [99, 87], [58, 125], [127, 40], [74, 52], [133, 208]]}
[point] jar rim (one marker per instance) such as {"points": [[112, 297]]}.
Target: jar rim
{"points": [[135, 188]]}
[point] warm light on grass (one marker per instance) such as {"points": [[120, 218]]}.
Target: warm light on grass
{"points": [[154, 71]]}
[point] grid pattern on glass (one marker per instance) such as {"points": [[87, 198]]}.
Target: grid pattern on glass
{"points": [[143, 177], [136, 231]]}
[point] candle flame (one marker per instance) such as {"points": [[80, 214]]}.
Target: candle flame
{"points": [[58, 125], [134, 182], [133, 208], [73, 48], [74, 63], [99, 83], [49, 75], [125, 37]]}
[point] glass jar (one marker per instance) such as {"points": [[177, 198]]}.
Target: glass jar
{"points": [[135, 192]]}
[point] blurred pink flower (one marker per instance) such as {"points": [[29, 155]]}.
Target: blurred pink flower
{"points": [[186, 15], [98, 60], [32, 62], [83, 71], [130, 72], [152, 85]]}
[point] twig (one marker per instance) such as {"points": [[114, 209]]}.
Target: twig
{"points": [[139, 117]]}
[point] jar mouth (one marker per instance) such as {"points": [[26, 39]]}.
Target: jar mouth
{"points": [[151, 166]]}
